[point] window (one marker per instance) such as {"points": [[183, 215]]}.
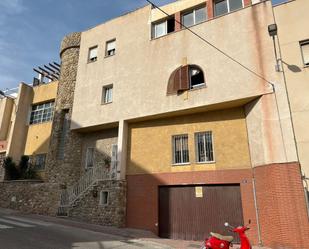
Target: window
{"points": [[39, 161], [107, 94], [196, 77], [162, 28], [194, 16], [89, 158], [93, 54], [180, 149], [305, 51], [185, 78], [104, 196], [110, 48], [42, 113], [224, 6], [204, 147]]}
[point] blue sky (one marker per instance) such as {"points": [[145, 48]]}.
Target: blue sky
{"points": [[31, 30]]}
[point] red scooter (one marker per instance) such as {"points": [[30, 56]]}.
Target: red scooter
{"points": [[218, 241]]}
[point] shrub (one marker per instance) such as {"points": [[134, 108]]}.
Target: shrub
{"points": [[23, 166], [11, 171]]}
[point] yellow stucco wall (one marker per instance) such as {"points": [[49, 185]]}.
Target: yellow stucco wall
{"points": [[150, 146], [39, 134], [38, 138], [45, 92]]}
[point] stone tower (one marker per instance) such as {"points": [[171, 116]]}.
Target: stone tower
{"points": [[63, 160]]}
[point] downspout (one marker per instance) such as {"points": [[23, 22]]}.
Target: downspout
{"points": [[256, 209]]}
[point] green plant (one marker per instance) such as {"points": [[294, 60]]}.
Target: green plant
{"points": [[23, 166], [30, 173], [107, 161], [11, 171]]}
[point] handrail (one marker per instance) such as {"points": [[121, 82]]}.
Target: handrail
{"points": [[92, 175]]}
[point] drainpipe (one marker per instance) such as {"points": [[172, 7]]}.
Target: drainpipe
{"points": [[256, 209]]}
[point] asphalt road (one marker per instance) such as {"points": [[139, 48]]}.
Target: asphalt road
{"points": [[22, 232]]}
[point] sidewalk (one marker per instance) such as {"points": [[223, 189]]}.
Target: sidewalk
{"points": [[130, 234]]}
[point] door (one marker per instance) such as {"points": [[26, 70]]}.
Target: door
{"points": [[192, 212]]}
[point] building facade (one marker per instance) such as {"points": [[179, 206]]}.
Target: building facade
{"points": [[178, 130], [294, 42], [188, 121], [26, 123]]}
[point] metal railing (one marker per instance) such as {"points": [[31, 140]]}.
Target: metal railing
{"points": [[92, 176]]}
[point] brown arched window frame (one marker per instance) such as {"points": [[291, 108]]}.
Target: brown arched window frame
{"points": [[185, 78]]}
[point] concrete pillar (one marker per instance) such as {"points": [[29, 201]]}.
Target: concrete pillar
{"points": [[122, 149]]}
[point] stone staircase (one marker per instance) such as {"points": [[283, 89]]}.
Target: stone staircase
{"points": [[72, 195]]}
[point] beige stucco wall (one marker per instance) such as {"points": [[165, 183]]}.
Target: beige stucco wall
{"points": [[102, 142], [6, 108], [141, 68], [18, 133], [150, 142], [38, 138], [292, 19]]}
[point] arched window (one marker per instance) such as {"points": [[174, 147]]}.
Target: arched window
{"points": [[185, 78]]}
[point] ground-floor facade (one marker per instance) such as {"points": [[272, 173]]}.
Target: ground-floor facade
{"points": [[184, 176], [271, 196]]}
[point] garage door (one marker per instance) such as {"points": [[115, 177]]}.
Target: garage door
{"points": [[192, 212]]}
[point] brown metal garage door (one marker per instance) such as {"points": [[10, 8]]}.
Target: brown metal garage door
{"points": [[192, 212]]}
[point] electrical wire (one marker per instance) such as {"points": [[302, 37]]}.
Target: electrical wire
{"points": [[210, 44]]}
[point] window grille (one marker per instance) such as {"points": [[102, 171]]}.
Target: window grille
{"points": [[42, 113], [39, 161], [204, 147], [180, 149]]}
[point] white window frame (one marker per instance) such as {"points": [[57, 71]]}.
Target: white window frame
{"points": [[155, 30], [173, 150], [194, 15], [104, 99], [228, 6], [87, 155], [107, 50], [196, 147], [101, 198], [304, 43], [94, 59], [39, 112]]}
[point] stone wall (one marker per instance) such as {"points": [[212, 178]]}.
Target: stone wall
{"points": [[102, 142], [30, 196], [89, 209], [2, 157], [66, 169]]}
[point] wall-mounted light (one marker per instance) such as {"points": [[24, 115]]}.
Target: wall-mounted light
{"points": [[273, 32]]}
